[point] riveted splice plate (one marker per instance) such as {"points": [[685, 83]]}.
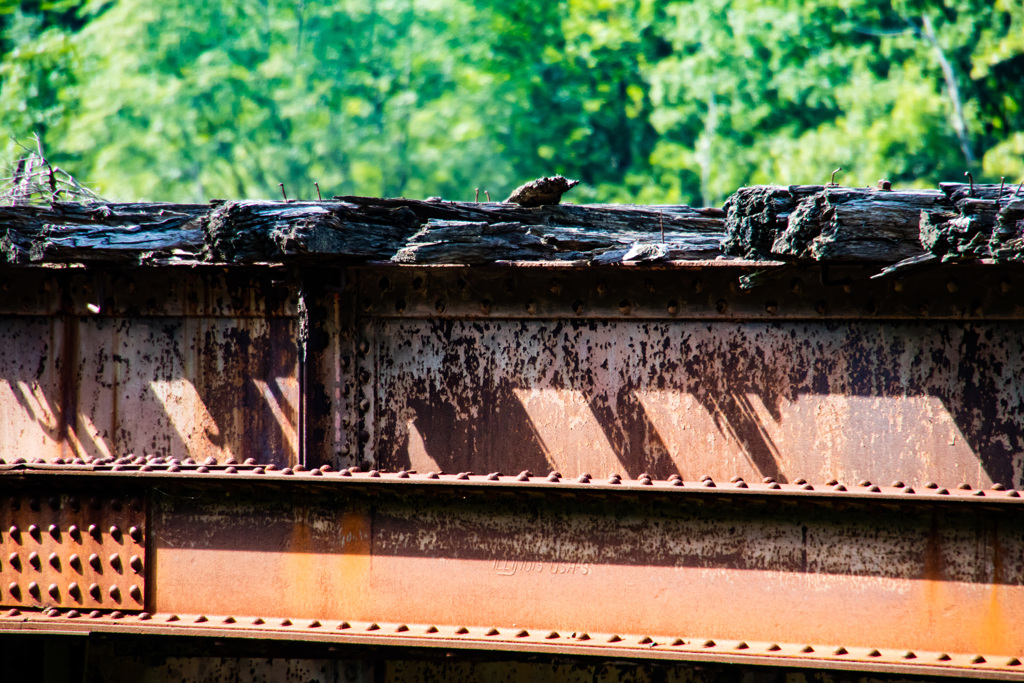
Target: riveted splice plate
{"points": [[72, 551]]}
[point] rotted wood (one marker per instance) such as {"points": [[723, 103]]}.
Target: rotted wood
{"points": [[984, 221], [855, 224], [68, 231], [354, 229]]}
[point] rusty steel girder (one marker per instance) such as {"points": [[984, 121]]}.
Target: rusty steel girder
{"points": [[812, 574], [70, 551]]}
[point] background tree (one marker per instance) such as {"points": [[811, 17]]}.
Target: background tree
{"points": [[643, 101]]}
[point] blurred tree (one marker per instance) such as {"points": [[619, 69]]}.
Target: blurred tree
{"points": [[647, 101]]}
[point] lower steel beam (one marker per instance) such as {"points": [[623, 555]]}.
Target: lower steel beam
{"points": [[682, 571]]}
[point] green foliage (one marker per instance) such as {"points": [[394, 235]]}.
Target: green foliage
{"points": [[642, 100]]}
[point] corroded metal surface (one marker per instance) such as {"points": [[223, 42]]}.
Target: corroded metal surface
{"points": [[725, 566], [72, 551], [196, 367], [912, 401], [618, 647]]}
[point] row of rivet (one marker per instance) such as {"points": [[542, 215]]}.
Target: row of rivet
{"points": [[75, 562], [74, 591], [128, 461], [527, 477], [74, 532], [612, 639]]}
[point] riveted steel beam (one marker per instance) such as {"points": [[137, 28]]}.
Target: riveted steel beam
{"points": [[821, 573], [72, 551]]}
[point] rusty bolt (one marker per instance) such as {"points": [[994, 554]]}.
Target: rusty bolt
{"points": [[584, 478], [491, 632], [942, 492], [202, 619], [742, 645], [806, 649], [54, 531], [258, 621], [145, 616], [523, 634], [75, 533], [831, 482], [577, 307], [708, 643], [73, 590], [373, 627], [74, 614], [772, 307], [554, 476], [531, 307], [964, 487], [768, 480], [33, 559], [493, 476], [15, 591], [645, 481], [673, 307], [135, 562], [864, 482], [820, 307], [33, 590], [625, 307], [774, 486], [614, 479], [909, 655], [840, 651], [523, 476], [94, 591], [734, 480], [115, 593], [840, 487], [54, 591], [94, 562], [55, 561], [115, 532], [135, 533], [344, 625], [709, 483], [136, 593], [800, 482], [807, 487], [774, 647], [874, 489], [33, 531], [884, 185]]}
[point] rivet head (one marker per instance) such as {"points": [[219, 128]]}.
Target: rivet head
{"points": [[115, 593], [94, 591], [136, 593], [33, 559], [55, 561], [115, 562], [73, 589], [54, 591]]}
